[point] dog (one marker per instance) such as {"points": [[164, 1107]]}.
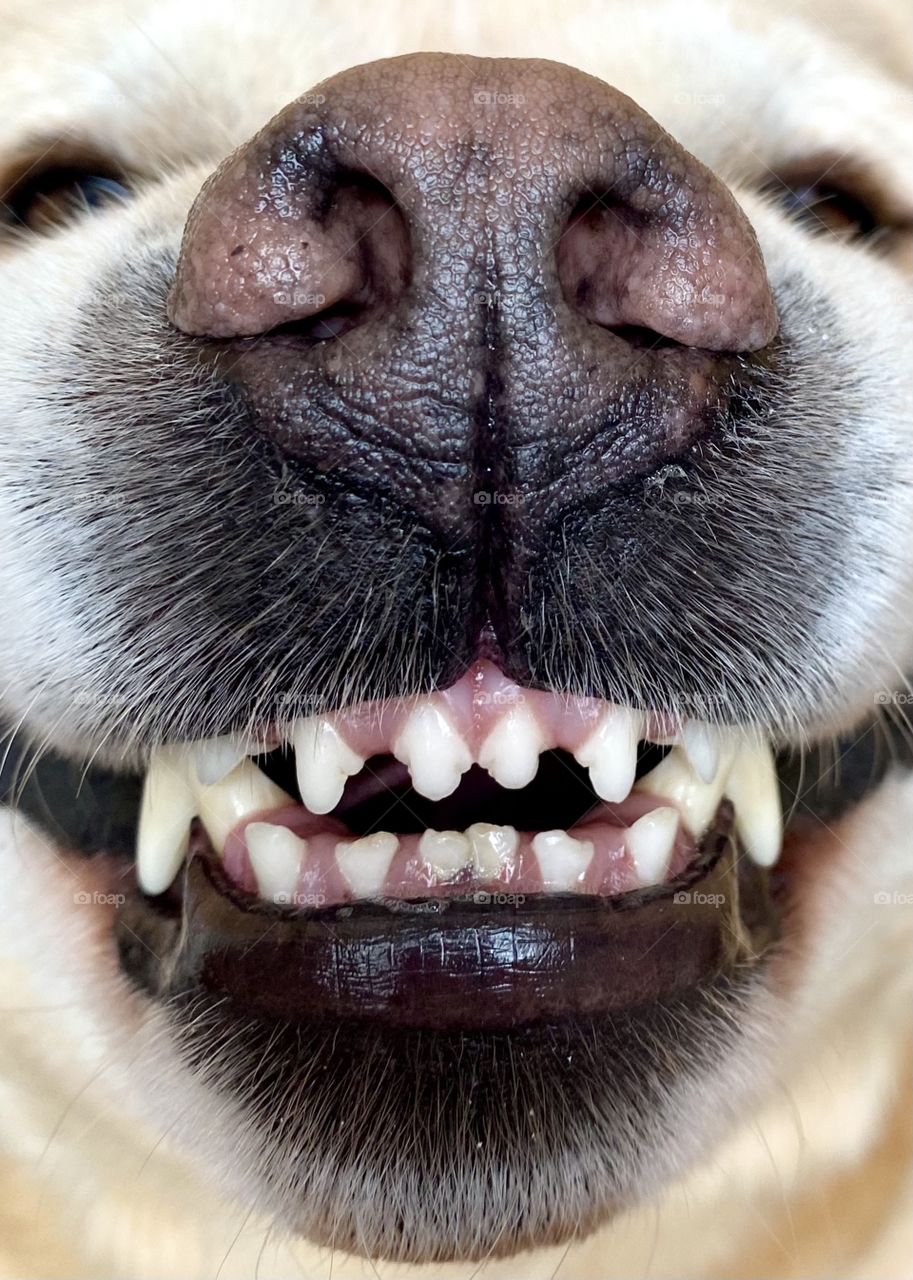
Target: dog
{"points": [[456, 548]]}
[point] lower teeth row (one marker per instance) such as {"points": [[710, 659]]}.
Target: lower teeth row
{"points": [[180, 788]]}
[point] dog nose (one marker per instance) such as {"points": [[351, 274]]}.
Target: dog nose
{"points": [[444, 185]]}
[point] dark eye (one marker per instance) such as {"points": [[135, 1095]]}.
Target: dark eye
{"points": [[822, 205], [46, 200]]}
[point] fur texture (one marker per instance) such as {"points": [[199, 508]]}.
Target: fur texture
{"points": [[121, 578]]}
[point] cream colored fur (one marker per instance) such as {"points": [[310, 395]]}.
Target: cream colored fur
{"points": [[816, 1184]]}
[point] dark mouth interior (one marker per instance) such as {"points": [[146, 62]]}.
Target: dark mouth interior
{"points": [[382, 798], [91, 809]]}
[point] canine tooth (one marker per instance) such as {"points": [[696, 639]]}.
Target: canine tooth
{"points": [[702, 748], [649, 841], [241, 793], [492, 848], [674, 780], [323, 761], [276, 855], [610, 753], [755, 794], [511, 751], [446, 852], [432, 750], [364, 863], [563, 860], [215, 757], [168, 808]]}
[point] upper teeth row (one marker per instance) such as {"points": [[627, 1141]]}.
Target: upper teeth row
{"points": [[213, 780]]}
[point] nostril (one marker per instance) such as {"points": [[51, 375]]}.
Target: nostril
{"points": [[678, 265], [594, 258], [639, 336], [332, 322], [316, 257]]}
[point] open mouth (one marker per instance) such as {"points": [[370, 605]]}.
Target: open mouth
{"points": [[486, 855], [482, 855], [485, 787]]}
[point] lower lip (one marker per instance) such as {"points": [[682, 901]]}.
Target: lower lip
{"points": [[452, 965]]}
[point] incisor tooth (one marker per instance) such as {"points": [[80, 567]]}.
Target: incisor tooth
{"points": [[364, 863], [511, 751], [563, 861], [702, 747], [276, 855], [610, 753], [674, 779], [755, 794], [493, 848], [215, 757], [432, 750], [447, 853], [241, 793], [323, 761], [168, 808], [649, 841]]}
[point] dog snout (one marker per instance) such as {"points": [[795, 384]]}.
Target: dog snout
{"points": [[513, 184]]}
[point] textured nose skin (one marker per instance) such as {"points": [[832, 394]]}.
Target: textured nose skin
{"points": [[482, 300], [430, 170]]}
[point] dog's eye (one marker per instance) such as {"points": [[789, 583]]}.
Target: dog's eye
{"points": [[820, 206], [46, 200]]}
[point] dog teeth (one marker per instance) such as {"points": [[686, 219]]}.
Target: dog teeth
{"points": [[492, 848], [433, 752], [324, 762], [563, 861], [276, 856], [511, 751], [675, 780], [364, 863], [702, 748], [650, 841], [216, 757], [755, 793], [446, 853], [610, 753], [216, 780], [168, 808], [243, 792]]}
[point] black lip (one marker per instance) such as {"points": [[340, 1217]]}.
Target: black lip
{"points": [[453, 964]]}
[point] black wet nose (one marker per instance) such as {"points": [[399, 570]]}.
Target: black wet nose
{"points": [[525, 186]]}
